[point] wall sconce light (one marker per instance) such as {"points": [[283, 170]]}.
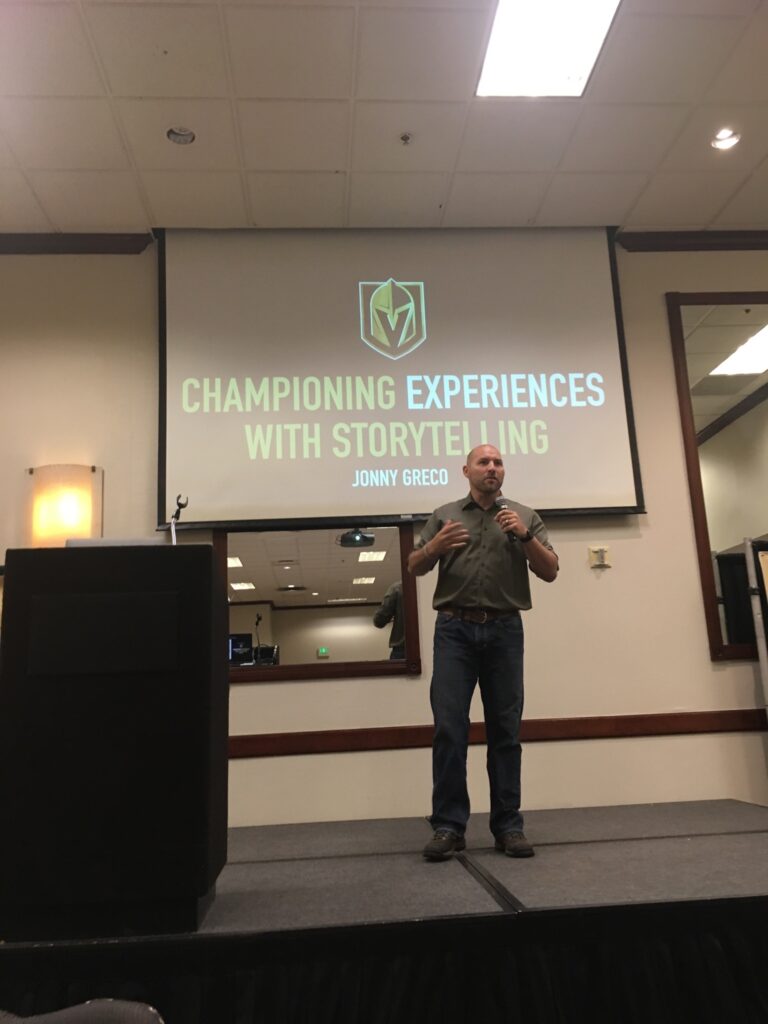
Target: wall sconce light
{"points": [[64, 502]]}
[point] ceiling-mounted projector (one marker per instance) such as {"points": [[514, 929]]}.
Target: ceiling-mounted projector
{"points": [[355, 538]]}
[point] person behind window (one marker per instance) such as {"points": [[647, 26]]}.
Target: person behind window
{"points": [[391, 610]]}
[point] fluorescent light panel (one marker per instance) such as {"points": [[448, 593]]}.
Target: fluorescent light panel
{"points": [[243, 586], [233, 562], [544, 47], [751, 357], [364, 580], [372, 556]]}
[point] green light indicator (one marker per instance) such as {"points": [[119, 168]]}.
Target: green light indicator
{"points": [[322, 652]]}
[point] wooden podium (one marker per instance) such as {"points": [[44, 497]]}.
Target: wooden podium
{"points": [[113, 740]]}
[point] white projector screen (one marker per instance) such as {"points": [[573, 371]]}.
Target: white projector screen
{"points": [[345, 375]]}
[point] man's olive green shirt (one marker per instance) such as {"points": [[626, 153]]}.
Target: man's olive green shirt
{"points": [[490, 571]]}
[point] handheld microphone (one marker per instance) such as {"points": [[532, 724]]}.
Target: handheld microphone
{"points": [[501, 504]]}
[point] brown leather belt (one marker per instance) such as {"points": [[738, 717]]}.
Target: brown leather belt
{"points": [[479, 615]]}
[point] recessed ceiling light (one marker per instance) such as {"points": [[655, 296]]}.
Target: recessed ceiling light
{"points": [[243, 586], [751, 357], [544, 48], [234, 562], [315, 593], [726, 138], [364, 579], [372, 556], [181, 136]]}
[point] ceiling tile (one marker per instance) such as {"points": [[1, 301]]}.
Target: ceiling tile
{"points": [[742, 78], [589, 200], [294, 136], [91, 200], [692, 150], [699, 366], [142, 2], [397, 200], [200, 199], [63, 134], [419, 54], [728, 315], [717, 343], [692, 199], [44, 50], [706, 7], [692, 316], [481, 5], [494, 200], [670, 73], [159, 50], [286, 53], [292, 3], [297, 200], [749, 206], [146, 122], [516, 135], [662, 59], [19, 210], [623, 137], [435, 130]]}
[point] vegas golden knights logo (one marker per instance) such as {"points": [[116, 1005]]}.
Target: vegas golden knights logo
{"points": [[392, 316]]}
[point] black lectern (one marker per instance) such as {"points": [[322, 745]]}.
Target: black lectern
{"points": [[113, 740]]}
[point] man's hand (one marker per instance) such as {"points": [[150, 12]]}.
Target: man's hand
{"points": [[451, 536], [510, 522], [543, 562]]}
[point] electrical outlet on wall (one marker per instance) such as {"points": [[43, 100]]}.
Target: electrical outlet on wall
{"points": [[598, 557]]}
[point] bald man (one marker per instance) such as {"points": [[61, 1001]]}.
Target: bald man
{"points": [[484, 545]]}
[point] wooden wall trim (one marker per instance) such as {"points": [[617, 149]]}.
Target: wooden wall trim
{"points": [[692, 241], [321, 670], [535, 730], [718, 650], [693, 472], [73, 244]]}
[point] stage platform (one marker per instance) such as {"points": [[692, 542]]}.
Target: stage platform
{"points": [[627, 913]]}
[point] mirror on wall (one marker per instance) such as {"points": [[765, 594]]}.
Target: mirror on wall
{"points": [[316, 603], [724, 417]]}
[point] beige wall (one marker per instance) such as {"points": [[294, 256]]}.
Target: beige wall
{"points": [[79, 339], [242, 619], [348, 633], [78, 351]]}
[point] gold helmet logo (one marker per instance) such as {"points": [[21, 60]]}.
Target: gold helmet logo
{"points": [[392, 316]]}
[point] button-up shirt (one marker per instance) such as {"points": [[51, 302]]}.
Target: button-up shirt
{"points": [[491, 570]]}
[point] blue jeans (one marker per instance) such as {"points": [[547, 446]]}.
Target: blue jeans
{"points": [[465, 654]]}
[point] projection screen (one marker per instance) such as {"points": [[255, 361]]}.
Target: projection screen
{"points": [[345, 375]]}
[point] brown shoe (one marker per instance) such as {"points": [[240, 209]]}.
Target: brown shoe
{"points": [[514, 844], [443, 845]]}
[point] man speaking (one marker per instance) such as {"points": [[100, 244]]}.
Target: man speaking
{"points": [[484, 545]]}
